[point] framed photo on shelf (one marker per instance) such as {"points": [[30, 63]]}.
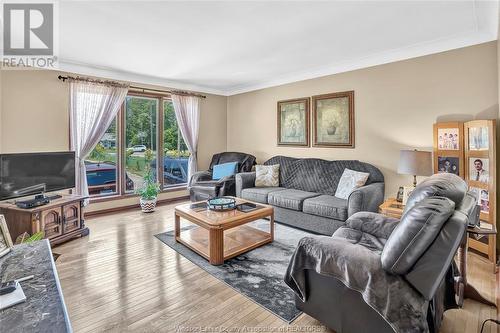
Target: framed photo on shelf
{"points": [[478, 138], [483, 198], [333, 120], [293, 122], [449, 148], [479, 169], [399, 196], [448, 165], [484, 201], [448, 139], [5, 240]]}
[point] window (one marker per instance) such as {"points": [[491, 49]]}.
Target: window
{"points": [[101, 164], [135, 143], [141, 116], [175, 152]]}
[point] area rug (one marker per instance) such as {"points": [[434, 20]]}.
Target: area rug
{"points": [[257, 274]]}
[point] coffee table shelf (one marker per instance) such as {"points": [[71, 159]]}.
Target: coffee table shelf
{"points": [[236, 241]]}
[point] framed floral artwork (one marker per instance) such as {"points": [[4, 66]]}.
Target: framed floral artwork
{"points": [[293, 122], [333, 120]]}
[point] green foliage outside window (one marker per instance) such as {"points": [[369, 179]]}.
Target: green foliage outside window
{"points": [[150, 188], [172, 137], [98, 154], [177, 153], [141, 122]]}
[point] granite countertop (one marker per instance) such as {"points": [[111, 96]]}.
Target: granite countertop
{"points": [[44, 309]]}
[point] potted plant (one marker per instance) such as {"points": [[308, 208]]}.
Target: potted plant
{"points": [[149, 193], [149, 190]]}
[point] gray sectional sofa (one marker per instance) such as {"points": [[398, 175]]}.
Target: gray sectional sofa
{"points": [[306, 195]]}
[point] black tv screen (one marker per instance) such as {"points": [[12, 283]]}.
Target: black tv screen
{"points": [[32, 173]]}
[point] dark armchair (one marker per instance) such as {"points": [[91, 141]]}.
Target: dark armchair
{"points": [[203, 187], [379, 274]]}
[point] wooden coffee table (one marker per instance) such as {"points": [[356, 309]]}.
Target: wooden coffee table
{"points": [[219, 236]]}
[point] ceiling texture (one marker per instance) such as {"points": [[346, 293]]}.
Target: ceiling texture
{"points": [[232, 47]]}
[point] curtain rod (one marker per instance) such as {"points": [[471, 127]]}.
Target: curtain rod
{"points": [[141, 89]]}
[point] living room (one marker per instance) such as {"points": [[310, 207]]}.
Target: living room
{"points": [[319, 231]]}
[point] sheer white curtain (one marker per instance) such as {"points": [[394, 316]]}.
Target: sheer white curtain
{"points": [[187, 113], [93, 106]]}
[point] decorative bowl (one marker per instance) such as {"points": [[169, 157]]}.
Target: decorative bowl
{"points": [[221, 203]]}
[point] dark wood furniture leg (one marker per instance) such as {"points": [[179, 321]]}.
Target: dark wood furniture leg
{"points": [[271, 226], [177, 229], [466, 290]]}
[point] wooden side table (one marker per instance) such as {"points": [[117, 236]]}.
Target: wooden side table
{"points": [[464, 289], [392, 208], [489, 248]]}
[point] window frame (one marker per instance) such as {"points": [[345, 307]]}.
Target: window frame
{"points": [[121, 191], [123, 151]]}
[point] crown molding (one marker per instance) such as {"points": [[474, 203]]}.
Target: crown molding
{"points": [[116, 74], [395, 55], [413, 51]]}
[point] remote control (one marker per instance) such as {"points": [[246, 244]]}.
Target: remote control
{"points": [[7, 287]]}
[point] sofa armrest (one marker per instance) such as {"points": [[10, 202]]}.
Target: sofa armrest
{"points": [[366, 198], [199, 176], [244, 180], [375, 224]]}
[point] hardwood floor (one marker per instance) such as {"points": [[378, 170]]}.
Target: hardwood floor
{"points": [[121, 278]]}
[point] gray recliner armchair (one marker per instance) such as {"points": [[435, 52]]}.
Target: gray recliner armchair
{"points": [[379, 274], [202, 186]]}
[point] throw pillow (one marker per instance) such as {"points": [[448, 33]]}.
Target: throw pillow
{"points": [[350, 181], [224, 170], [267, 175]]}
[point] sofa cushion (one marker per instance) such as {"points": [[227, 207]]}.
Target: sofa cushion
{"points": [[290, 198], [326, 206], [350, 181], [224, 170], [267, 175], [258, 194]]}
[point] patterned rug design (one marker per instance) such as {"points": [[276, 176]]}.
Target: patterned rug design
{"points": [[257, 274]]}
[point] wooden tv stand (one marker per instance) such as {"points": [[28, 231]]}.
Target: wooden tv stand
{"points": [[61, 219]]}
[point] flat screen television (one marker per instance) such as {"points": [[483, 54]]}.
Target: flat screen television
{"points": [[33, 173]]}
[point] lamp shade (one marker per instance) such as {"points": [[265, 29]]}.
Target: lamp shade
{"points": [[414, 162]]}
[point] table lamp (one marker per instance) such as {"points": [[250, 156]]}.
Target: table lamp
{"points": [[416, 163]]}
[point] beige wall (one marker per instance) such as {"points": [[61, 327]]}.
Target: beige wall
{"points": [[395, 107], [1, 102], [498, 134], [35, 118], [35, 112]]}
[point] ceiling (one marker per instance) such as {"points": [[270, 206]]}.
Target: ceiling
{"points": [[232, 47]]}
